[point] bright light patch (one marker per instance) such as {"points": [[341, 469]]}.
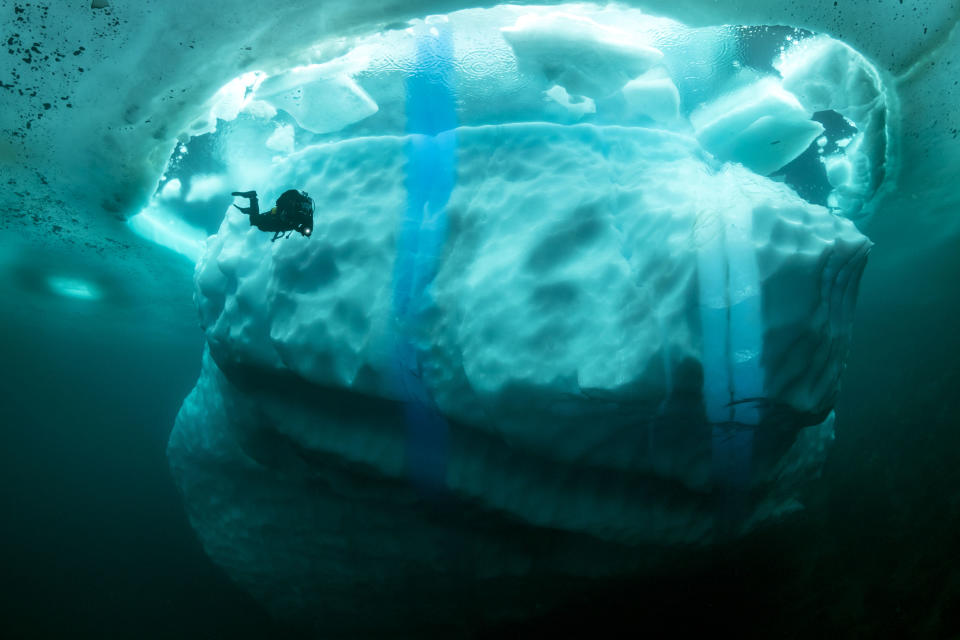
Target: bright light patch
{"points": [[171, 189], [70, 287], [157, 224], [232, 97], [203, 188], [283, 139]]}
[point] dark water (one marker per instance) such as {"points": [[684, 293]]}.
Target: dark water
{"points": [[94, 541]]}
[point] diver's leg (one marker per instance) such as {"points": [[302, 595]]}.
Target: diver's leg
{"points": [[260, 220], [254, 208], [268, 222]]}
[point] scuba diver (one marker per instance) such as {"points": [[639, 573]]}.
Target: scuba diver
{"points": [[293, 212]]}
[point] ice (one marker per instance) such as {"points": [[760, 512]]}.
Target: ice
{"points": [[825, 74], [320, 100], [584, 57], [282, 139], [540, 64], [161, 225], [171, 189], [653, 95], [759, 125], [205, 187], [228, 101], [260, 109], [166, 86], [499, 69], [612, 300], [578, 107], [838, 169], [595, 337]]}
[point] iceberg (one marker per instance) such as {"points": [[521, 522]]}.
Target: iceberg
{"points": [[555, 297], [594, 285]]}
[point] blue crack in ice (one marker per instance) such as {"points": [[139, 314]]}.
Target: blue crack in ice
{"points": [[431, 157]]}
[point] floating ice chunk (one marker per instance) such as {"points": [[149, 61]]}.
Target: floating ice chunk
{"points": [[849, 173], [321, 100], [577, 108], [282, 139], [171, 189], [759, 125], [838, 169], [770, 142], [653, 95], [584, 57], [203, 188]]}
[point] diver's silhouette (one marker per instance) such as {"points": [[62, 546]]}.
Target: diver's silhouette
{"points": [[293, 212]]}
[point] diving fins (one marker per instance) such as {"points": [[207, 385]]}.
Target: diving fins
{"points": [[250, 195]]}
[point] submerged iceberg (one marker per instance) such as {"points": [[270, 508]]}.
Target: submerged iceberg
{"points": [[130, 93], [529, 340]]}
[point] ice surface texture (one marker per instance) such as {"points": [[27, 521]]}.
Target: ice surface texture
{"points": [[579, 54], [584, 304]]}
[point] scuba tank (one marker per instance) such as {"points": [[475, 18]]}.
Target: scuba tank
{"points": [[296, 208]]}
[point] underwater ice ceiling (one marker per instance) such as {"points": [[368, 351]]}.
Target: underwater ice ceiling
{"points": [[114, 91], [762, 97]]}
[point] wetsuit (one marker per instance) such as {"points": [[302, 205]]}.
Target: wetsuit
{"points": [[271, 221], [294, 212]]}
